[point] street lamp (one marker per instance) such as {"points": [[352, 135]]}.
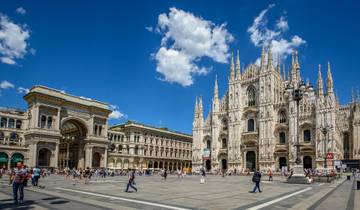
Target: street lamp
{"points": [[325, 131], [297, 92]]}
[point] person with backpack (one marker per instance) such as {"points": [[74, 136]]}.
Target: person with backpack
{"points": [[256, 179], [36, 173], [131, 181], [203, 174]]}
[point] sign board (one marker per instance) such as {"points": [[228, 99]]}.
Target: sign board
{"points": [[330, 155]]}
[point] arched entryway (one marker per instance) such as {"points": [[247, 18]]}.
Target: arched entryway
{"points": [[150, 164], [307, 162], [156, 164], [44, 157], [224, 164], [72, 144], [282, 162], [251, 160], [16, 158], [96, 160], [4, 158], [208, 165], [161, 165]]}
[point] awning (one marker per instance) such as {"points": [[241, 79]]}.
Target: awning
{"points": [[3, 159]]}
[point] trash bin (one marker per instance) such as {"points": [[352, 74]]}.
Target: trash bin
{"points": [[358, 184], [348, 177]]}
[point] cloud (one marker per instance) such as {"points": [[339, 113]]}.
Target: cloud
{"points": [[149, 28], [186, 40], [282, 24], [6, 85], [13, 40], [21, 11], [262, 36], [23, 90], [116, 114]]}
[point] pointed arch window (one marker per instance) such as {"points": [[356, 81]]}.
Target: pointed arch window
{"points": [[251, 96], [282, 116], [307, 135], [282, 137]]}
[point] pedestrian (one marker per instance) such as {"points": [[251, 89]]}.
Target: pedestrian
{"points": [[256, 179], [165, 174], [86, 175], [270, 174], [19, 174], [131, 181], [203, 174], [37, 173]]}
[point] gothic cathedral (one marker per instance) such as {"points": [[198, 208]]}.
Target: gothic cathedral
{"points": [[258, 123]]}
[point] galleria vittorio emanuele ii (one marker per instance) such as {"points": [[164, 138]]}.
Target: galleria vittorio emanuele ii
{"points": [[60, 131], [259, 120]]}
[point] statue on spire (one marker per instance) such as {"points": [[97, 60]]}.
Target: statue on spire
{"points": [[232, 70], [238, 71]]}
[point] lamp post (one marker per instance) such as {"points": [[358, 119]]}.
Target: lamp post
{"points": [[297, 93], [325, 131]]}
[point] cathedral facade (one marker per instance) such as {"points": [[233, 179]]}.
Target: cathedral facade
{"points": [[258, 124]]}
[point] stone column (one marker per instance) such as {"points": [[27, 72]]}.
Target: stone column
{"points": [[56, 159], [36, 117], [58, 119], [35, 154], [106, 158], [8, 165], [88, 156]]}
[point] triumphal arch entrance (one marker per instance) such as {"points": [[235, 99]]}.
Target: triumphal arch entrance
{"points": [[65, 130]]}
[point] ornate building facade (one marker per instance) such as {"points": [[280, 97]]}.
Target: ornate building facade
{"points": [[134, 145], [60, 130], [254, 125]]}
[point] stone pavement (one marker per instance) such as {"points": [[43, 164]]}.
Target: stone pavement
{"points": [[217, 193]]}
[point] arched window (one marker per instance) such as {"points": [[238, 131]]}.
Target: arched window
{"points": [[282, 117], [95, 130], [120, 148], [14, 136], [282, 137], [2, 136], [43, 121], [18, 124], [11, 123], [208, 144], [251, 96], [49, 122], [224, 143], [224, 124], [3, 122], [100, 129], [307, 136], [251, 125], [136, 150]]}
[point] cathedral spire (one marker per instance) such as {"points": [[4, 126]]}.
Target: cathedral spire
{"points": [[329, 81], [215, 107], [270, 59], [320, 89], [216, 89], [284, 73], [196, 106], [232, 71], [278, 66], [238, 71], [262, 64]]}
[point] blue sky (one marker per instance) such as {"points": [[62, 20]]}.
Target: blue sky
{"points": [[152, 68]]}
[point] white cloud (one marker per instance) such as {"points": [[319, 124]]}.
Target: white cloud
{"points": [[21, 10], [282, 24], [186, 39], [149, 28], [116, 114], [23, 90], [262, 36], [13, 40], [6, 85]]}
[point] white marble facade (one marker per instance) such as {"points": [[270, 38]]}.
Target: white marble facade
{"points": [[254, 124]]}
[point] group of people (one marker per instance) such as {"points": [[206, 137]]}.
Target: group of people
{"points": [[19, 178]]}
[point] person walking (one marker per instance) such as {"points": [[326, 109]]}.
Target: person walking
{"points": [[256, 179], [19, 174], [36, 173], [270, 174], [131, 181], [165, 174], [203, 174]]}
